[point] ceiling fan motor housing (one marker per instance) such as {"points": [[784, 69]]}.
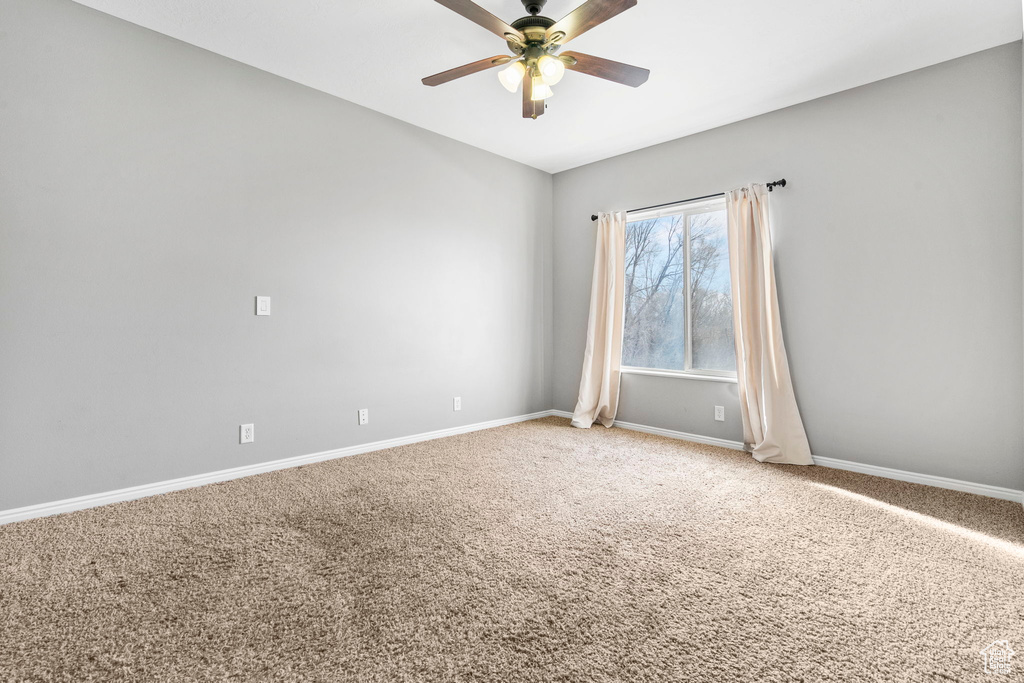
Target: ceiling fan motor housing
{"points": [[534, 29]]}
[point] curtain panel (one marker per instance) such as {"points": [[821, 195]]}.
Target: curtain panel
{"points": [[599, 385], [772, 428]]}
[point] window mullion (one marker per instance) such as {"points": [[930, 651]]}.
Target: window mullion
{"points": [[687, 295]]}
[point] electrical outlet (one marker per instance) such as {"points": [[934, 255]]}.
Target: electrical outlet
{"points": [[720, 413], [457, 403], [364, 416], [246, 434]]}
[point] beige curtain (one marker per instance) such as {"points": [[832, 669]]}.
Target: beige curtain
{"points": [[772, 426], [599, 386]]}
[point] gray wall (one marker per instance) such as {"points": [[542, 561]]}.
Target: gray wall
{"points": [[149, 190], [898, 250]]}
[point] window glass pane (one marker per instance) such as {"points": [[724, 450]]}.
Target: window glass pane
{"points": [[654, 334], [711, 292]]}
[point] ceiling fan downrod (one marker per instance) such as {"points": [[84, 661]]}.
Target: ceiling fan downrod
{"points": [[534, 6]]}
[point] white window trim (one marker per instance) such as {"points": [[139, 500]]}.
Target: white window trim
{"points": [[701, 375], [687, 209]]}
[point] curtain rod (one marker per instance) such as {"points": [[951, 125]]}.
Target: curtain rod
{"points": [[771, 186]]}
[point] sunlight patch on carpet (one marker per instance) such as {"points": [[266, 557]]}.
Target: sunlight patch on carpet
{"points": [[976, 536]]}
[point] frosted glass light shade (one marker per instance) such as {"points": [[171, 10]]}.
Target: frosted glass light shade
{"points": [[512, 76], [541, 91], [551, 69]]}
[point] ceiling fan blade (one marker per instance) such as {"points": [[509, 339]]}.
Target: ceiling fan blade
{"points": [[531, 108], [585, 17], [478, 15], [632, 76], [466, 69]]}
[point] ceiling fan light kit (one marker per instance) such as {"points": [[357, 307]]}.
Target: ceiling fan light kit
{"points": [[534, 41]]}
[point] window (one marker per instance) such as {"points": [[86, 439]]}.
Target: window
{"points": [[678, 308]]}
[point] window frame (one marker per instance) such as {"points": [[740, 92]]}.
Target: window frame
{"points": [[688, 210]]}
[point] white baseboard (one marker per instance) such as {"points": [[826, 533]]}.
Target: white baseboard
{"points": [[875, 470], [927, 479], [685, 436], [672, 434], [146, 490]]}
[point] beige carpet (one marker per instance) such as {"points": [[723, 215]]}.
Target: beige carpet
{"points": [[533, 552]]}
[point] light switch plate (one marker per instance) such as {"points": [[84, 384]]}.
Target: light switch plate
{"points": [[263, 305]]}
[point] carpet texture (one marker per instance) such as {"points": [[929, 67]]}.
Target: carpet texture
{"points": [[532, 552]]}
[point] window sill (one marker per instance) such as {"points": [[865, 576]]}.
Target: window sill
{"points": [[681, 375]]}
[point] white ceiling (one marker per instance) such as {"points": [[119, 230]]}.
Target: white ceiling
{"points": [[712, 61]]}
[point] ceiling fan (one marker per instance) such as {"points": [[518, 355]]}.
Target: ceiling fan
{"points": [[534, 41]]}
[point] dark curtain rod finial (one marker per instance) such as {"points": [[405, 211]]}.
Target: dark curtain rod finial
{"points": [[771, 186]]}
